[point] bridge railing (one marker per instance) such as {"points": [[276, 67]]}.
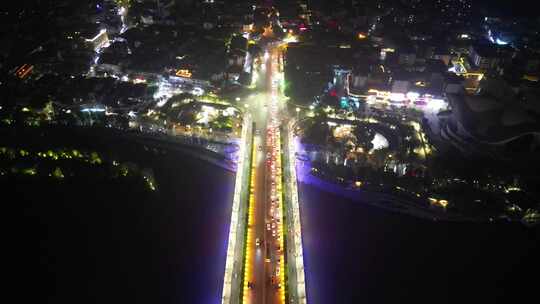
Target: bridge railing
{"points": [[233, 265], [295, 254]]}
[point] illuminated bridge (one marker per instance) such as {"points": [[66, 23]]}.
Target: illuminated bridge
{"points": [[265, 256]]}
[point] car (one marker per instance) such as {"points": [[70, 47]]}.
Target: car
{"points": [[258, 242], [267, 258], [257, 132]]}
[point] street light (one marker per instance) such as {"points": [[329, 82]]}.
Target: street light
{"points": [[237, 99]]}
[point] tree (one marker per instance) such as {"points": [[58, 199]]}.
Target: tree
{"points": [[330, 100], [379, 157], [222, 123], [364, 136], [317, 134], [123, 3], [57, 173]]}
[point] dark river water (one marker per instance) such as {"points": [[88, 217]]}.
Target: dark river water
{"points": [[360, 254], [84, 241]]}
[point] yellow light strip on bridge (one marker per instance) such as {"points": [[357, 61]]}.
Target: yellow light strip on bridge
{"points": [[281, 242], [248, 266]]}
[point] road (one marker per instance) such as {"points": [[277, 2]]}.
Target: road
{"points": [[265, 240]]}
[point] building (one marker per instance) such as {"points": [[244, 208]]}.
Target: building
{"points": [[400, 87], [487, 125], [407, 58], [100, 40], [454, 84], [490, 57]]}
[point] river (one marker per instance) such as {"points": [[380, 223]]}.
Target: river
{"points": [[89, 241], [360, 254]]}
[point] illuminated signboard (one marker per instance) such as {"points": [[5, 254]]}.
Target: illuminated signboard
{"points": [[183, 73]]}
